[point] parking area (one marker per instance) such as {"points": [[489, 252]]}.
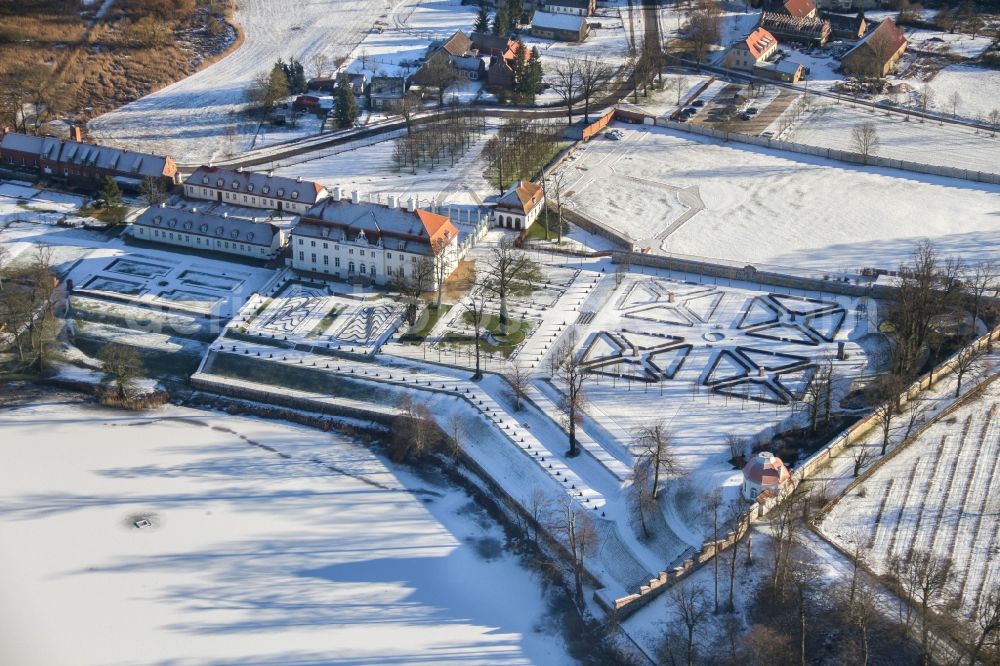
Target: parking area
{"points": [[732, 103]]}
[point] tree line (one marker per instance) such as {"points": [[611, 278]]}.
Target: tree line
{"points": [[439, 140]]}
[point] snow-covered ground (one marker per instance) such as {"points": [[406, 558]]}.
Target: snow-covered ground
{"points": [[978, 88], [267, 543], [937, 495], [829, 125], [405, 34], [197, 119], [765, 206], [369, 167], [937, 41]]}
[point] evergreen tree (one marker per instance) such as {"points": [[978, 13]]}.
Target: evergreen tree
{"points": [[297, 81], [483, 20], [110, 194], [501, 21], [535, 73], [515, 10], [347, 107], [520, 67]]}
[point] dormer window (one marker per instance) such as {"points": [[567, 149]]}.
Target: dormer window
{"points": [[218, 231], [295, 194], [204, 180], [249, 187], [249, 236], [157, 220], [266, 189], [236, 184], [220, 183], [234, 233], [280, 192], [203, 228]]}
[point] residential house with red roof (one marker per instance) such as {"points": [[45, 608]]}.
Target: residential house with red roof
{"points": [[518, 207], [799, 8], [750, 52], [765, 473]]}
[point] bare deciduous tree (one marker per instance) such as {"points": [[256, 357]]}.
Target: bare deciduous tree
{"points": [[519, 378], [414, 432], [122, 366], [504, 266], [862, 455], [865, 140], [968, 363], [595, 75], [653, 442], [567, 366], [692, 609], [986, 625], [573, 526], [925, 577], [566, 82]]}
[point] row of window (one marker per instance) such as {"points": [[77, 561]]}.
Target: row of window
{"points": [[352, 268], [326, 246], [221, 245], [247, 199]]}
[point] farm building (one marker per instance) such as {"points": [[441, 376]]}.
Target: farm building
{"points": [[460, 54], [746, 54], [351, 239], [786, 70], [560, 27], [502, 52], [877, 53], [188, 227], [386, 93], [519, 206], [764, 472], [81, 164], [847, 27], [807, 30], [254, 190], [574, 7]]}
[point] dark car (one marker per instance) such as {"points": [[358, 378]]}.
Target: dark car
{"points": [[690, 110], [753, 110], [698, 103], [745, 116]]}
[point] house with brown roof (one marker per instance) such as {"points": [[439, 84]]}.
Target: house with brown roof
{"points": [[461, 54], [82, 164], [750, 52], [810, 30], [348, 239], [518, 207], [847, 27], [575, 7], [877, 53]]}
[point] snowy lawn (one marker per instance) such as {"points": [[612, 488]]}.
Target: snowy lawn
{"points": [[765, 206], [266, 543], [978, 89], [829, 125], [189, 120], [369, 167], [937, 495]]}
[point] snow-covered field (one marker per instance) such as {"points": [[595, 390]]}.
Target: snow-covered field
{"points": [[189, 120], [787, 209], [267, 543], [937, 495], [951, 43], [829, 125], [369, 167], [978, 88], [406, 32]]}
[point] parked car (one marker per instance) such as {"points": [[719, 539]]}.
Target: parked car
{"points": [[690, 110], [698, 103], [767, 135], [753, 110], [745, 116]]}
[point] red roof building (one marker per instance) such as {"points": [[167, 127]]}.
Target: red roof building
{"points": [[800, 8], [877, 53], [519, 206], [746, 54], [764, 472]]}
